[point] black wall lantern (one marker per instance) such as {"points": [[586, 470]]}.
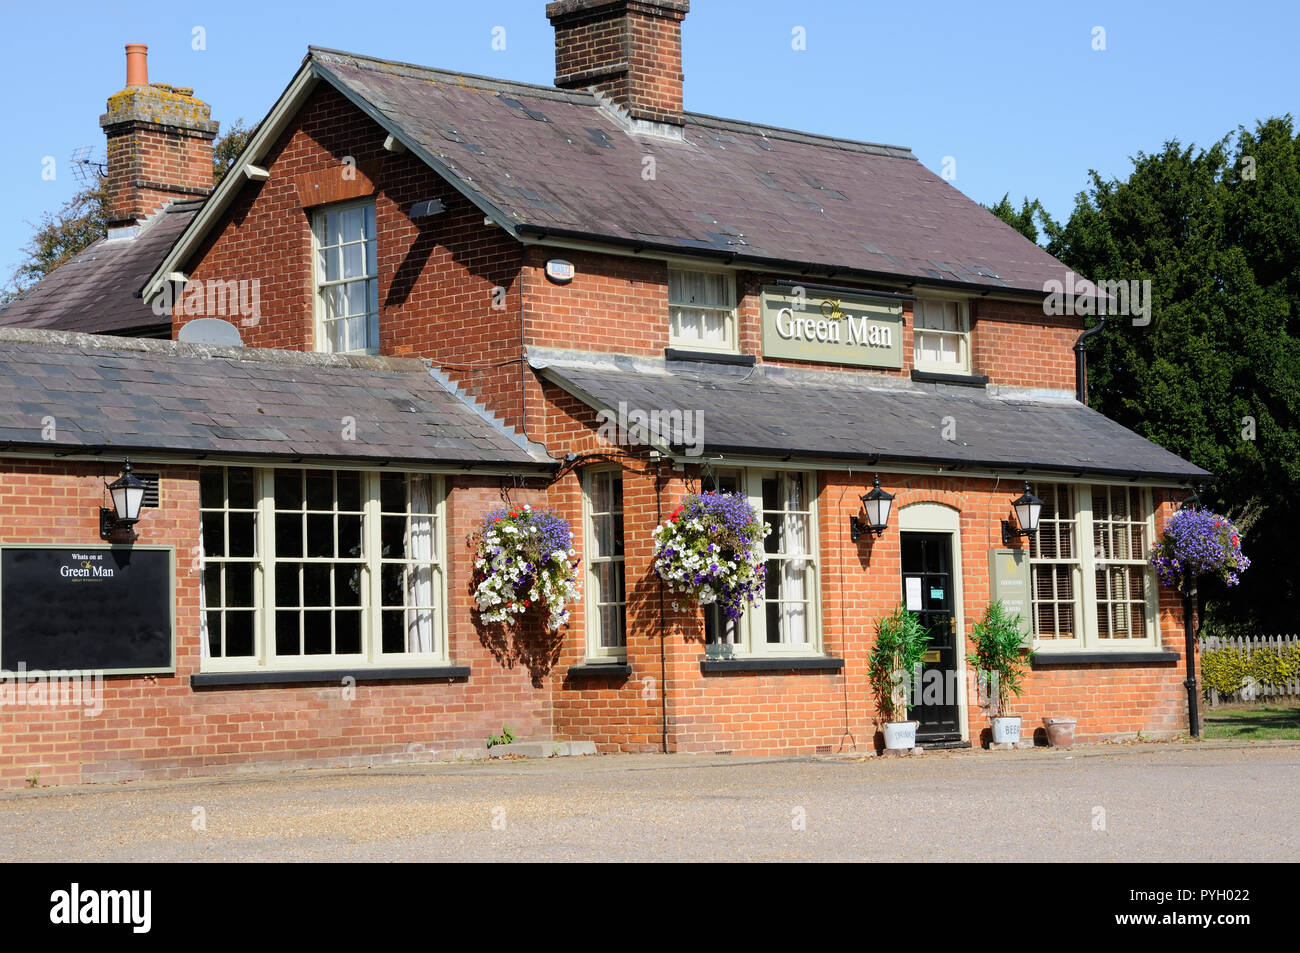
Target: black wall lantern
{"points": [[127, 492], [1028, 508], [875, 505]]}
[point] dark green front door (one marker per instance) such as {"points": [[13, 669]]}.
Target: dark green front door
{"points": [[928, 592]]}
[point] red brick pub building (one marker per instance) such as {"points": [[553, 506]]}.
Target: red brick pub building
{"points": [[453, 292]]}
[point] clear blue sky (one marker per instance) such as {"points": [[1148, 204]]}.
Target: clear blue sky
{"points": [[1013, 91]]}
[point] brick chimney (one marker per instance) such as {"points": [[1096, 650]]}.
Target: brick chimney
{"points": [[159, 144], [629, 50]]}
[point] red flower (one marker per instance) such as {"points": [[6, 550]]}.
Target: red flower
{"points": [[676, 513], [527, 603]]}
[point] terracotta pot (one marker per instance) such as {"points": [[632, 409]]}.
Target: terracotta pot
{"points": [[1060, 731]]}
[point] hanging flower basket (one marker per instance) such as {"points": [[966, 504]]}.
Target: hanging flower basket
{"points": [[1198, 542], [524, 561], [711, 550]]}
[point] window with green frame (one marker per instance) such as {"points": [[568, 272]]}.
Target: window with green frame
{"points": [[320, 567]]}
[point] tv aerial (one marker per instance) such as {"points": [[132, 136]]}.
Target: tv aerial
{"points": [[85, 163]]}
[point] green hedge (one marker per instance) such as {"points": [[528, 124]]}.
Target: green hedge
{"points": [[1225, 669]]}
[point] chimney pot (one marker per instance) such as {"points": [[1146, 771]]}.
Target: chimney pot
{"points": [[137, 64]]}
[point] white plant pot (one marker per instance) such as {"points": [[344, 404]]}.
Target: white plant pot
{"points": [[1006, 730], [900, 735]]}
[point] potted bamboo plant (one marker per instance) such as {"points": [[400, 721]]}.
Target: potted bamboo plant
{"points": [[1001, 661], [900, 644]]}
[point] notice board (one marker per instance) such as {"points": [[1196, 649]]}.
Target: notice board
{"points": [[1009, 581], [96, 608]]}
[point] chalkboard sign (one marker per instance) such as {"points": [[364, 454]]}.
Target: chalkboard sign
{"points": [[87, 608]]}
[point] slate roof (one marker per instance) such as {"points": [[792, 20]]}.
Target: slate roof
{"points": [[539, 159], [768, 411], [132, 395], [96, 291]]}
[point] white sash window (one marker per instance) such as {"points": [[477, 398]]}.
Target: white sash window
{"points": [[347, 279], [320, 568]]}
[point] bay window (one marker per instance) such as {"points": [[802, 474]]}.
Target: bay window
{"points": [[1096, 596], [320, 568]]}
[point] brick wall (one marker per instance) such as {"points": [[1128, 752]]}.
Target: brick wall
{"points": [[438, 276], [159, 726], [1018, 344], [803, 712], [619, 304]]}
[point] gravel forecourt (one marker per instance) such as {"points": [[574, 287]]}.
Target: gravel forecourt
{"points": [[1144, 802]]}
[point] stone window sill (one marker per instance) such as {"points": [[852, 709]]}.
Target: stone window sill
{"points": [[718, 666], [600, 670], [1049, 659], [425, 673], [714, 357]]}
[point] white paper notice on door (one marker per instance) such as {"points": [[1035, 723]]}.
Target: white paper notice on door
{"points": [[914, 594]]}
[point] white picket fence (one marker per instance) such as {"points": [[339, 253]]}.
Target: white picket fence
{"points": [[1254, 692]]}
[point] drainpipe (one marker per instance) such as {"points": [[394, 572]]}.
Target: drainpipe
{"points": [[1081, 361], [663, 652]]}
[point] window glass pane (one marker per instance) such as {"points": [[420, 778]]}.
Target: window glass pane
{"points": [[214, 534], [242, 488], [287, 576], [288, 633], [317, 639], [320, 490], [355, 294], [349, 536], [243, 537], [351, 225], [288, 490], [320, 535], [347, 586], [212, 493], [239, 584], [354, 261], [239, 634], [393, 637], [214, 634], [392, 493], [212, 585], [347, 633], [316, 584]]}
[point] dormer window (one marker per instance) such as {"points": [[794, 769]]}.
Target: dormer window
{"points": [[701, 310], [941, 336], [346, 278]]}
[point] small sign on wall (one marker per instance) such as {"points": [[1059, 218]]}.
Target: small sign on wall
{"points": [[1009, 582], [560, 271]]}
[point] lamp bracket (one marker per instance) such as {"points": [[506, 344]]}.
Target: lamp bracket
{"points": [[1011, 533], [859, 528]]}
